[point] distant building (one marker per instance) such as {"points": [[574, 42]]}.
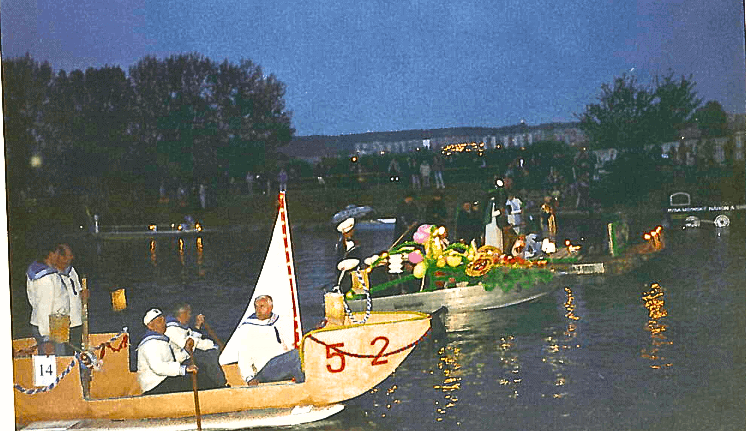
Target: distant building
{"points": [[313, 148]]}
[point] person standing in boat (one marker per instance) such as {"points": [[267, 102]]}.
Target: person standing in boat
{"points": [[548, 220], [204, 350], [513, 209], [436, 212], [407, 214], [159, 367], [464, 231], [264, 356], [53, 287], [347, 245]]}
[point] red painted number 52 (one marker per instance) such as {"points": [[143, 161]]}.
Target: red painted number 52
{"points": [[333, 352]]}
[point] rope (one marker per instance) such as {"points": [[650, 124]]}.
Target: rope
{"points": [[368, 308], [362, 356], [52, 385], [33, 349], [69, 368]]}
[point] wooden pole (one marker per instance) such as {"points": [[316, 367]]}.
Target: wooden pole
{"points": [[84, 287], [196, 392], [402, 235], [86, 376], [214, 336]]}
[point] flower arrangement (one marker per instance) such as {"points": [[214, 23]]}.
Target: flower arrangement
{"points": [[446, 265]]}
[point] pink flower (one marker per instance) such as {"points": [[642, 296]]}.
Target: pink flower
{"points": [[420, 237], [415, 257]]}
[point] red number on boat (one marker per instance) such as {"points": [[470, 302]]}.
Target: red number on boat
{"points": [[332, 352], [377, 360]]}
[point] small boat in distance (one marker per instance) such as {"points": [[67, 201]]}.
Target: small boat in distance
{"points": [[340, 360]]}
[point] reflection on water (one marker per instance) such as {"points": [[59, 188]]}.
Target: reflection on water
{"points": [[557, 348], [511, 365], [655, 302], [450, 367]]}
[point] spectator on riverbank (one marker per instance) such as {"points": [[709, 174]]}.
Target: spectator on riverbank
{"points": [[425, 173], [438, 172], [282, 179], [413, 173], [250, 183]]}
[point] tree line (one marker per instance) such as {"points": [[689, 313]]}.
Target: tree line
{"points": [[184, 116], [630, 116]]}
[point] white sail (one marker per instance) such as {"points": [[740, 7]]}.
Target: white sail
{"points": [[277, 280]]}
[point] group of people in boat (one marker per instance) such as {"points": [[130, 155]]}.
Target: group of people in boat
{"points": [[500, 225], [170, 349]]}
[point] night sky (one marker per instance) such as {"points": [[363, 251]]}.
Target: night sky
{"points": [[352, 67]]}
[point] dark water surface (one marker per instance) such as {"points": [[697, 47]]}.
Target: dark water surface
{"points": [[659, 349]]}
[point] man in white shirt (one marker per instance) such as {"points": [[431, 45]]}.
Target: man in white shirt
{"points": [[159, 367], [204, 350], [264, 356], [513, 209], [53, 287]]}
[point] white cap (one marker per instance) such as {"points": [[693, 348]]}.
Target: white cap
{"points": [[346, 225], [150, 315]]}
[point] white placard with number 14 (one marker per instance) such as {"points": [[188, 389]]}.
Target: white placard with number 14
{"points": [[45, 370]]}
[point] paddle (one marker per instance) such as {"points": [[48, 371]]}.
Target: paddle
{"points": [[402, 235], [195, 389], [214, 336], [86, 374]]}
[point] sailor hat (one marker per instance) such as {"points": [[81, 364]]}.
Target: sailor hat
{"points": [[346, 225], [150, 315]]}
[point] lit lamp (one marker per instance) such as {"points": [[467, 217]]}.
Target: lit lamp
{"points": [[118, 300]]}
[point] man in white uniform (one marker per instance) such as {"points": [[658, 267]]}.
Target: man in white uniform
{"points": [[513, 210], [264, 355], [53, 287], [204, 350], [159, 368]]}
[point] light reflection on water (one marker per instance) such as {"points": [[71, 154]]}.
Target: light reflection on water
{"points": [[585, 357]]}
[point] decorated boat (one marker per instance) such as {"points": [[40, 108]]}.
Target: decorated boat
{"points": [[427, 273], [621, 255], [348, 356], [464, 277]]}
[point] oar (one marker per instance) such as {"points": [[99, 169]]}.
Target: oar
{"points": [[86, 377], [402, 235], [84, 288], [196, 392], [214, 336]]}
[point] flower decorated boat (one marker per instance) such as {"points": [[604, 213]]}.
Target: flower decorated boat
{"points": [[458, 276], [340, 361]]}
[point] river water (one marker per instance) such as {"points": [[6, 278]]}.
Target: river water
{"points": [[662, 348]]}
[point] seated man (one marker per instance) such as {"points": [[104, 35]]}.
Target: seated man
{"points": [[204, 350], [264, 356], [158, 370]]}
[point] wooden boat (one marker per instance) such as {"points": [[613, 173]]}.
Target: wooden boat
{"points": [[621, 259], [340, 362]]}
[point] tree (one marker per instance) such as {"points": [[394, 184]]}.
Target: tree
{"points": [[630, 116], [711, 120], [25, 84]]}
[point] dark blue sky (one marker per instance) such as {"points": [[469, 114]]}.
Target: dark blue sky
{"points": [[352, 67]]}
